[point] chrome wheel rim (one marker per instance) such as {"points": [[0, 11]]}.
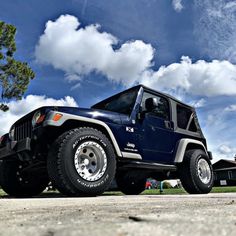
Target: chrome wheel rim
{"points": [[204, 171], [90, 161]]}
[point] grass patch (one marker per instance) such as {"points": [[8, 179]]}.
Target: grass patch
{"points": [[227, 189], [165, 191], [2, 193]]}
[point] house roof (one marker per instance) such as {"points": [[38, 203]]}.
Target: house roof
{"points": [[224, 163]]}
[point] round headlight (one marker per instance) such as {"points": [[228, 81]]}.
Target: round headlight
{"points": [[35, 118]]}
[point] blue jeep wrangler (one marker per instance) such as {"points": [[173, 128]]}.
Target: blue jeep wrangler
{"points": [[129, 137]]}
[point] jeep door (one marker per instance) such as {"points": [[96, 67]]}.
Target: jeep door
{"points": [[156, 130]]}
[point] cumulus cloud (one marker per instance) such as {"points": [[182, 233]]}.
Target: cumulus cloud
{"points": [[78, 51], [215, 28], [231, 108], [201, 78], [28, 104], [177, 5]]}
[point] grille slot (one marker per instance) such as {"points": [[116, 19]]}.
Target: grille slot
{"points": [[23, 130]]}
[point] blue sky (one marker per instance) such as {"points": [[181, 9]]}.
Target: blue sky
{"points": [[186, 48]]}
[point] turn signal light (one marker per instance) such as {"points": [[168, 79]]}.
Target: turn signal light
{"points": [[57, 117]]}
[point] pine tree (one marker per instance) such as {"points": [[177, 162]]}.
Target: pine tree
{"points": [[14, 75]]}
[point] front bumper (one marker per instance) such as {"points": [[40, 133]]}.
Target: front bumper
{"points": [[14, 147]]}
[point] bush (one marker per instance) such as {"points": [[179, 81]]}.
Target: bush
{"points": [[166, 185]]}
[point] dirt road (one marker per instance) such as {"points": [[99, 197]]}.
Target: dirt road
{"points": [[212, 214]]}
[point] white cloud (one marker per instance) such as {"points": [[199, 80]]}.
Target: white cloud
{"points": [[28, 104], [78, 51], [199, 103], [231, 108], [218, 128], [177, 5], [224, 149], [201, 78], [215, 28]]}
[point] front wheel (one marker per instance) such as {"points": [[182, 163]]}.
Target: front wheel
{"points": [[19, 180], [82, 162], [196, 172]]}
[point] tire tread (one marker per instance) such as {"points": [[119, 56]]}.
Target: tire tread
{"points": [[187, 173], [56, 174]]}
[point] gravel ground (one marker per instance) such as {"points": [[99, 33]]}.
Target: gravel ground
{"points": [[212, 214]]}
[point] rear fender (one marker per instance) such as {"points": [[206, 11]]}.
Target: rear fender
{"points": [[187, 144]]}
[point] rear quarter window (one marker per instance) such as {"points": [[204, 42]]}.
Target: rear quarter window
{"points": [[183, 116]]}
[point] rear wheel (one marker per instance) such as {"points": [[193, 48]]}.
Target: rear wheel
{"points": [[19, 180], [196, 172], [82, 162], [130, 182]]}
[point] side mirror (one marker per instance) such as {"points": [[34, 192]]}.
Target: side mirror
{"points": [[151, 104]]}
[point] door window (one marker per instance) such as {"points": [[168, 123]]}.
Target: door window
{"points": [[162, 110]]}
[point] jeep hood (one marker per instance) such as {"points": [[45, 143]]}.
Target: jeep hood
{"points": [[106, 116]]}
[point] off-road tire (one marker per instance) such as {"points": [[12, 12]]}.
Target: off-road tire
{"points": [[130, 182], [63, 171], [189, 172], [21, 184]]}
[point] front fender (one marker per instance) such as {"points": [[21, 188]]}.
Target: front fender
{"points": [[50, 121]]}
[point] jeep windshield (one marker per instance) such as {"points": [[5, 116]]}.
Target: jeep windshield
{"points": [[121, 103]]}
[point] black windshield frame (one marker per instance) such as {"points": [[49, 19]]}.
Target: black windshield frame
{"points": [[121, 103]]}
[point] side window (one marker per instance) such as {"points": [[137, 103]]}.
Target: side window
{"points": [[185, 119], [193, 126], [183, 116], [162, 110]]}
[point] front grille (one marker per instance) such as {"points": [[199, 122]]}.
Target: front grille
{"points": [[23, 130]]}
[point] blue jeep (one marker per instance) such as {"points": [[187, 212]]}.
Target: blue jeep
{"points": [[131, 136]]}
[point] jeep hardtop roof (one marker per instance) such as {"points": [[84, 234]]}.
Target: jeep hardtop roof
{"points": [[150, 90], [164, 94]]}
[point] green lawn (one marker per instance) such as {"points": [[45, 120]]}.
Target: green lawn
{"points": [[178, 191], [224, 189], [147, 192], [182, 191]]}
